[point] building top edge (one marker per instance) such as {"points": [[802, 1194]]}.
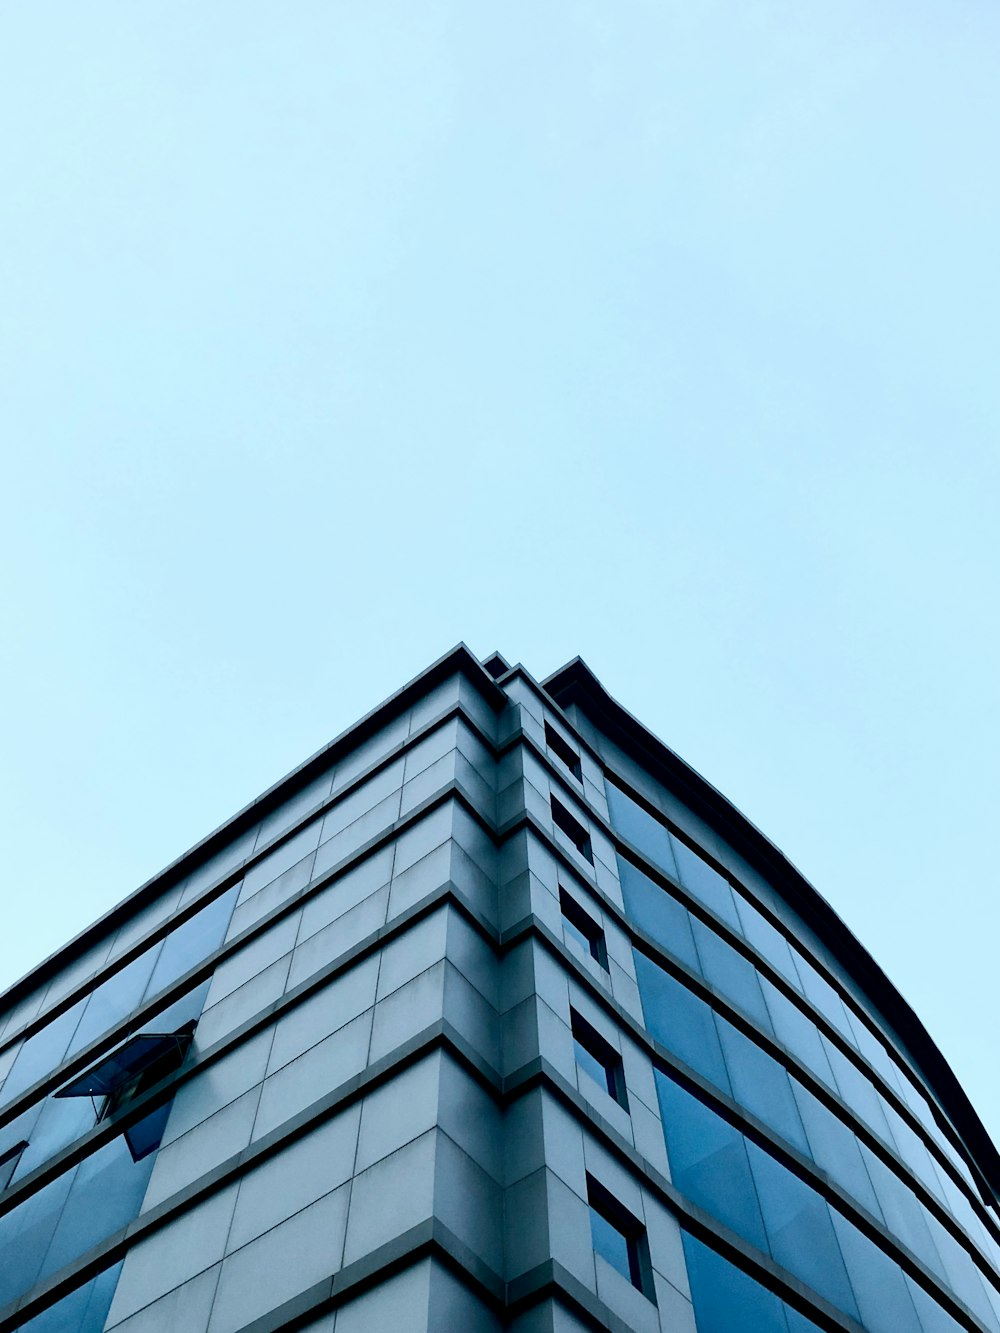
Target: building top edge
{"points": [[576, 684], [459, 659]]}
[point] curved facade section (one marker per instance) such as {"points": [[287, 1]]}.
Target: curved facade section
{"points": [[817, 1155]]}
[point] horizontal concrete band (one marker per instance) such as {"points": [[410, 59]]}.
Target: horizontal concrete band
{"points": [[105, 1131], [537, 1074]]}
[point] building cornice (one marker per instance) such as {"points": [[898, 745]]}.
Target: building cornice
{"points": [[575, 684]]}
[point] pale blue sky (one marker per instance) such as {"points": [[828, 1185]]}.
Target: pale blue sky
{"points": [[663, 333]]}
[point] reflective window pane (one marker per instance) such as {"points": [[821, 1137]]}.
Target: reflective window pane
{"points": [[706, 884], [761, 1085], [192, 942], [727, 1300], [106, 1194], [730, 973], [113, 1000], [708, 1160], [835, 1149], [766, 939], [82, 1311], [882, 1294], [42, 1052], [680, 1020], [797, 1033], [799, 1231], [653, 910], [641, 829], [610, 1243]]}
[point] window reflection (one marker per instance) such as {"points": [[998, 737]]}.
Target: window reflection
{"points": [[114, 999]]}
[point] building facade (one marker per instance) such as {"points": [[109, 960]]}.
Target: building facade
{"points": [[492, 1015]]}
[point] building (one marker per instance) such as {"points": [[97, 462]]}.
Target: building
{"points": [[493, 1014]]}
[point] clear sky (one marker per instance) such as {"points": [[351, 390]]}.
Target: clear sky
{"points": [[662, 333]]}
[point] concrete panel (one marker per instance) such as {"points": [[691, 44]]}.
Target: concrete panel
{"points": [[307, 1169], [193, 1243], [391, 1197], [278, 1265], [321, 1069]]}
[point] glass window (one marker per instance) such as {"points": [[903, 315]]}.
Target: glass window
{"points": [[727, 1300], [193, 941], [59, 1123], [113, 1000], [84, 1310], [106, 1194], [933, 1319], [835, 1149], [582, 929], [619, 1238], [680, 1020], [598, 1059], [706, 884], [799, 1230], [573, 829], [858, 1092], [641, 829], [730, 973], [661, 916], [25, 1234], [903, 1214], [766, 939], [761, 1085], [42, 1052], [823, 997], [797, 1033], [563, 751], [8, 1163], [881, 1292], [708, 1160]]}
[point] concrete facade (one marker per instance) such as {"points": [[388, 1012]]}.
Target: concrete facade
{"points": [[472, 1048]]}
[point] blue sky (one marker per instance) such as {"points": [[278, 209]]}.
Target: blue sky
{"points": [[663, 334]]}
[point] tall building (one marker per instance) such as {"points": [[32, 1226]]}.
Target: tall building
{"points": [[493, 1014]]}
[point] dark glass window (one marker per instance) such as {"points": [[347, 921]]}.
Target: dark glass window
{"points": [[797, 1033], [198, 937], [732, 975], [640, 828], [883, 1297], [115, 998], [706, 884], [727, 1300], [8, 1163], [58, 1125], [799, 1230], [835, 1149], [659, 914], [599, 1059], [708, 1160], [767, 940], [582, 927], [680, 1020], [761, 1084], [563, 751], [823, 997], [619, 1238], [84, 1310], [573, 829], [42, 1052]]}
